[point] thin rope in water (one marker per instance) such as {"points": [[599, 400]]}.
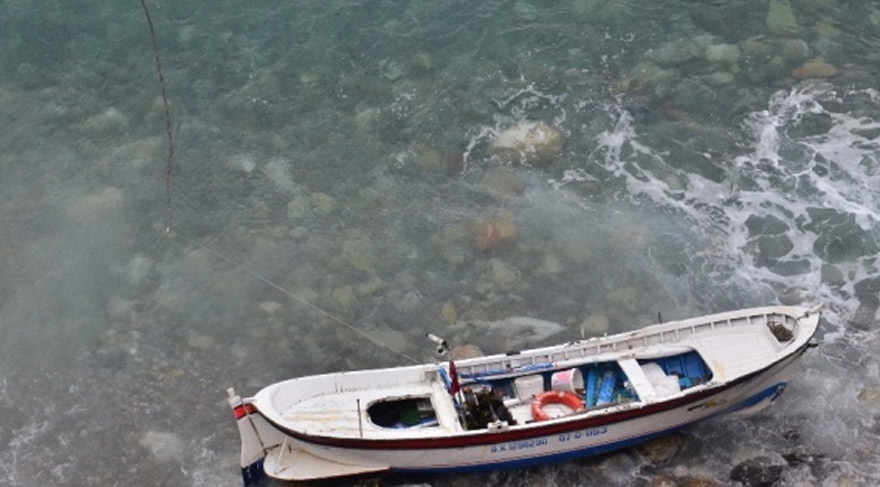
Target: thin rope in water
{"points": [[169, 219], [280, 288]]}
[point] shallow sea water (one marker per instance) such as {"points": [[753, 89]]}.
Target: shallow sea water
{"points": [[708, 156]]}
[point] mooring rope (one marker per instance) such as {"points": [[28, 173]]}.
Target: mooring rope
{"points": [[169, 219]]}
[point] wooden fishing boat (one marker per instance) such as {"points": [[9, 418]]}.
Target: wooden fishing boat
{"points": [[523, 408]]}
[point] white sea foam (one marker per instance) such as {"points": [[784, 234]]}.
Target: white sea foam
{"points": [[851, 186]]}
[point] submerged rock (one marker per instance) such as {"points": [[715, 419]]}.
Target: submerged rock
{"points": [[465, 351], [814, 68], [491, 233], [595, 325], [723, 54], [165, 447], [502, 183], [279, 173], [780, 18], [870, 397], [515, 331], [527, 142], [110, 121]]}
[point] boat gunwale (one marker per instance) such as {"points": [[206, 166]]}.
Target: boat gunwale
{"points": [[564, 424]]}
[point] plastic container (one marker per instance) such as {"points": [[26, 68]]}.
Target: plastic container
{"points": [[571, 380], [528, 386]]}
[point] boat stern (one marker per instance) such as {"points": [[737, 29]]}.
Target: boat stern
{"points": [[253, 447]]}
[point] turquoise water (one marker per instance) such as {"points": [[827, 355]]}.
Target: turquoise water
{"points": [[691, 157]]}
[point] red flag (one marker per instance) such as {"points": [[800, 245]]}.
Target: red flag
{"points": [[453, 377]]}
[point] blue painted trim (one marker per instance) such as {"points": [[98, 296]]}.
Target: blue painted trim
{"points": [[772, 392], [540, 460], [253, 475]]}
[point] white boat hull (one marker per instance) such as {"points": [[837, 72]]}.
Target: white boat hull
{"points": [[291, 454]]}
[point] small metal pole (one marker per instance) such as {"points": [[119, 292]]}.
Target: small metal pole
{"points": [[360, 419]]}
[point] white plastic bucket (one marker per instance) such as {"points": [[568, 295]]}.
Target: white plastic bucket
{"points": [[571, 380], [528, 386]]}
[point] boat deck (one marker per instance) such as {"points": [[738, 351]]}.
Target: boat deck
{"points": [[339, 413]]}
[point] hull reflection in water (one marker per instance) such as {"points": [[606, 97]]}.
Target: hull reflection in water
{"points": [[526, 408]]}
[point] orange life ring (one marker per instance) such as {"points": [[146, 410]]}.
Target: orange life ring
{"points": [[554, 397]]}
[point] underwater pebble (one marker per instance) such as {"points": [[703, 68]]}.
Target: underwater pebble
{"points": [[625, 295], [465, 351], [674, 53], [344, 295], [449, 312], [757, 47], [279, 174], [421, 61], [870, 396], [100, 203], [794, 50], [814, 68], [723, 53], [165, 447], [323, 203], [244, 163], [550, 264], [117, 306], [502, 183], [503, 274], [780, 18], [309, 78], [110, 121], [269, 307], [137, 269], [370, 287], [492, 232], [200, 342], [525, 11], [595, 325]]}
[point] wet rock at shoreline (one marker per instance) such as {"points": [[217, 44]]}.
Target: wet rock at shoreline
{"points": [[757, 472], [661, 450]]}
